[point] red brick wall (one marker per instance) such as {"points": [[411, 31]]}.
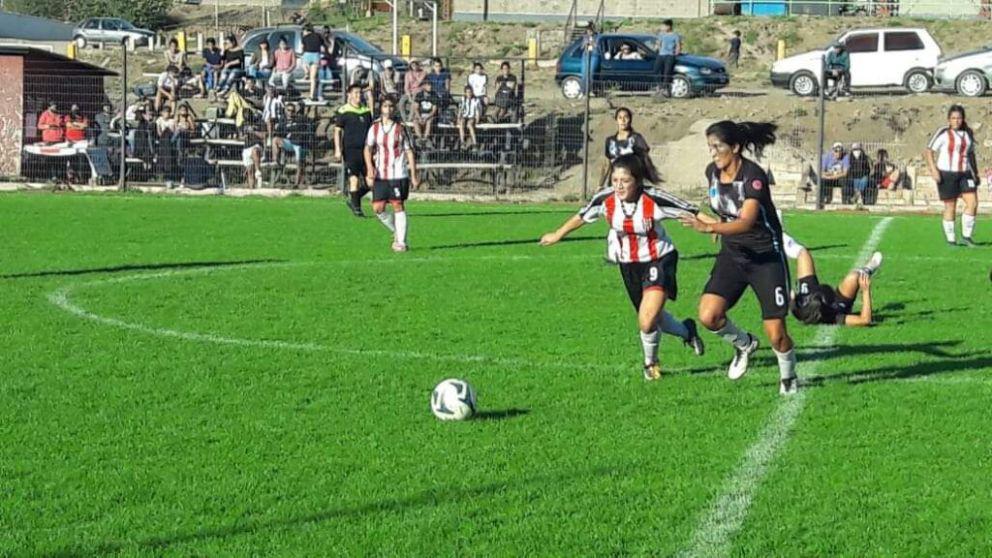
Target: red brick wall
{"points": [[11, 114]]}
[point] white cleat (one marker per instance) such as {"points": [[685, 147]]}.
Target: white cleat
{"points": [[738, 366], [873, 264], [788, 386]]}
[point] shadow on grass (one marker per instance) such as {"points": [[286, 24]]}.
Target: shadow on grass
{"points": [[500, 415], [956, 363], [430, 497], [133, 267], [493, 213], [806, 354]]}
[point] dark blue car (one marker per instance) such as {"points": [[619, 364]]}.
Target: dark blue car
{"points": [[627, 63]]}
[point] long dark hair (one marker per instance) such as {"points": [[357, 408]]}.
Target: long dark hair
{"points": [[749, 136], [639, 166], [630, 118], [964, 120]]}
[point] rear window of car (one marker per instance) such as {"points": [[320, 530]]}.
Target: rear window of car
{"points": [[903, 40], [867, 42]]}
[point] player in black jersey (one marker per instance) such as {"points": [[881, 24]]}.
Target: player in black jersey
{"points": [[815, 303], [625, 142], [751, 253], [351, 127]]}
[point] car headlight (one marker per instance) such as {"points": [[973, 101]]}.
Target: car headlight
{"points": [[706, 71]]}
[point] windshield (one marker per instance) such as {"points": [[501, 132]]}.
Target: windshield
{"points": [[361, 45]]}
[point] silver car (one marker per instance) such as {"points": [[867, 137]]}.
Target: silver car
{"points": [[109, 30], [967, 74]]}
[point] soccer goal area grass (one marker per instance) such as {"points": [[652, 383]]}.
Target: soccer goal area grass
{"points": [[231, 377]]}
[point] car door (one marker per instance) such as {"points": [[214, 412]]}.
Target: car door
{"points": [[867, 59], [630, 74], [904, 50], [112, 30], [90, 29]]}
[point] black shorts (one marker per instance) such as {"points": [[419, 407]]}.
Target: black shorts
{"points": [[811, 283], [354, 162], [644, 276], [953, 184], [391, 190], [766, 274]]}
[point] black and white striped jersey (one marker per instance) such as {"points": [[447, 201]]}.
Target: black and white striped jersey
{"points": [[727, 200]]}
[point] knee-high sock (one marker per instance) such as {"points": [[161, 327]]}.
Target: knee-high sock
{"points": [[949, 230], [649, 342], [386, 218], [672, 326], [733, 335], [792, 248], [786, 363], [400, 218], [967, 225]]}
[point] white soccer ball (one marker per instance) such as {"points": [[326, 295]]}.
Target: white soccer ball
{"points": [[453, 399]]}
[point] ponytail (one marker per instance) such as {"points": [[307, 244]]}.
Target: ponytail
{"points": [[749, 136]]}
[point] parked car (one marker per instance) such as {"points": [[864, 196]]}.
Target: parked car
{"points": [[353, 51], [967, 74], [693, 74], [109, 30], [879, 58]]}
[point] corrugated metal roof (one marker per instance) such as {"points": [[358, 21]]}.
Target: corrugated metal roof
{"points": [[15, 50]]}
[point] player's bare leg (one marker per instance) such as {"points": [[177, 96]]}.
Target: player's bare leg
{"points": [[713, 316]]}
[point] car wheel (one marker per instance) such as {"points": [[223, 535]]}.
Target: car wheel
{"points": [[571, 87], [917, 81], [971, 84], [80, 41], [681, 87], [803, 84]]}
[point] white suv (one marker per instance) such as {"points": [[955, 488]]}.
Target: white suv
{"points": [[879, 58]]}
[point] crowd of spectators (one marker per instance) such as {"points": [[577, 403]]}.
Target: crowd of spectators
{"points": [[856, 174]]}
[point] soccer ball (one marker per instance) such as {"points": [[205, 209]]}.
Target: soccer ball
{"points": [[453, 399]]}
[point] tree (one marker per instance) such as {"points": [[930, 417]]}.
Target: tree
{"points": [[142, 13]]}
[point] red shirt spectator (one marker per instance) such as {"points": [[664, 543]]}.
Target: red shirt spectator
{"points": [[75, 125], [52, 125]]}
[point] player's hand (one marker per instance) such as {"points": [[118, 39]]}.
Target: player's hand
{"points": [[369, 180], [415, 181], [549, 239], [337, 156], [693, 222], [864, 281], [935, 175], [715, 238]]}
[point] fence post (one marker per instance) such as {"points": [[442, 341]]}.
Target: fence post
{"points": [[821, 134], [532, 51], [199, 41], [123, 156], [586, 62], [405, 47]]}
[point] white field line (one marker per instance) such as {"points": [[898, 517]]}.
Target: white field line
{"points": [[724, 518], [61, 298]]}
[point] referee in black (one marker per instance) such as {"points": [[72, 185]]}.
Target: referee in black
{"points": [[351, 126]]}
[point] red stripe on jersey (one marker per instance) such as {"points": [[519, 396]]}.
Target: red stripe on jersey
{"points": [[950, 147], [647, 213], [961, 152], [611, 206], [387, 154], [628, 229]]}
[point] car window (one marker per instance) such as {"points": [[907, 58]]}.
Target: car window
{"points": [[90, 24], [575, 50], [125, 25], [112, 24], [902, 40], [359, 44], [251, 45], [862, 42]]}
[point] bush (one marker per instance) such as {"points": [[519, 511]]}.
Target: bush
{"points": [[142, 13]]}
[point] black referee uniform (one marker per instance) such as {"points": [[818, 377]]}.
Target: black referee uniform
{"points": [[354, 123], [755, 258]]}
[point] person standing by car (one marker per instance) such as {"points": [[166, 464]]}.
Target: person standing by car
{"points": [[950, 156], [734, 54], [669, 46], [313, 43]]}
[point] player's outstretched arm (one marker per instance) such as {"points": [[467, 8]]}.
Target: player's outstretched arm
{"points": [[744, 222], [864, 318], [574, 223]]}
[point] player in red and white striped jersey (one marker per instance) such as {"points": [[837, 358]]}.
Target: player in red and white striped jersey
{"points": [[951, 160], [646, 254], [390, 169]]}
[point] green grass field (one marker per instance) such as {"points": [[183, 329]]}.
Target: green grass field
{"points": [[232, 377]]}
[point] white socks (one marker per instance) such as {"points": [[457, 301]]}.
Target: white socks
{"points": [[792, 248], [401, 227], [731, 334], [967, 225], [949, 230], [386, 218], [786, 363], [672, 326], [649, 342]]}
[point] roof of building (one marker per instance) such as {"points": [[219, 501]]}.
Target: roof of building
{"points": [[30, 28], [77, 65]]}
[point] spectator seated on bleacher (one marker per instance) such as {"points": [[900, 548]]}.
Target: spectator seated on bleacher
{"points": [[273, 109], [165, 154], [428, 107], [478, 81], [233, 67], [507, 94], [858, 174], [834, 166], [294, 134], [167, 88], [76, 124], [388, 87], [213, 61], [185, 131], [251, 160], [440, 80], [260, 69], [413, 82], [469, 114], [886, 174]]}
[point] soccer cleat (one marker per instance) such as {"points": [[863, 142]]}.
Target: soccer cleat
{"points": [[952, 243], [874, 263], [399, 247], [788, 386], [967, 241], [738, 366], [356, 210], [652, 372], [694, 340]]}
